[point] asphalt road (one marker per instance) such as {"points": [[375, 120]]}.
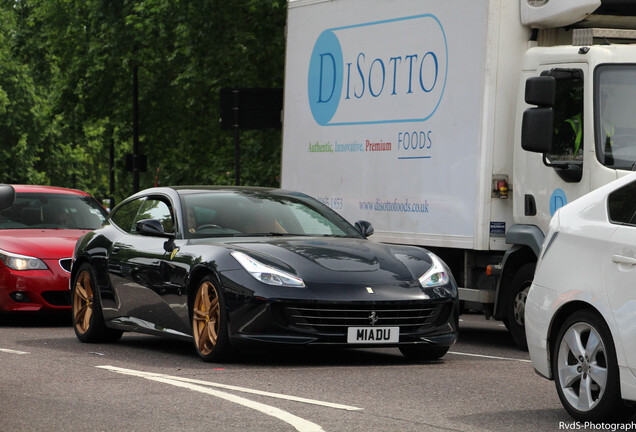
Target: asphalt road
{"points": [[49, 381]]}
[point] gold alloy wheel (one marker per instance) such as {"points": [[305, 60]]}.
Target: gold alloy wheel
{"points": [[206, 318], [83, 302]]}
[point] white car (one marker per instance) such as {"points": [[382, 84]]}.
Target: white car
{"points": [[581, 308]]}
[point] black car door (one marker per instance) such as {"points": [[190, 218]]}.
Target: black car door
{"points": [[142, 274]]}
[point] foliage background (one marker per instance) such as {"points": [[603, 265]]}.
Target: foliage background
{"points": [[66, 90]]}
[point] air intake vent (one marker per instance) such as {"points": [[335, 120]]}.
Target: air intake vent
{"points": [[66, 264]]}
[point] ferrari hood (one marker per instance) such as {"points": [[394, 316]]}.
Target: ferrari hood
{"points": [[318, 257]]}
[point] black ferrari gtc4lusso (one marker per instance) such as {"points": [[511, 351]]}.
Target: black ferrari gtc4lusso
{"points": [[225, 267]]}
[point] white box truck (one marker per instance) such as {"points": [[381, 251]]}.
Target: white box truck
{"points": [[460, 125]]}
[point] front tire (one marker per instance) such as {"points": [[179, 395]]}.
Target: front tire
{"points": [[585, 369], [519, 288], [423, 353], [209, 322], [88, 320]]}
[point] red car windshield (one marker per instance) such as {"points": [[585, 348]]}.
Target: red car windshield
{"points": [[52, 211]]}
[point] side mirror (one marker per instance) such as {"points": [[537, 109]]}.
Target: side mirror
{"points": [[537, 124], [365, 228], [152, 228], [537, 129], [7, 196], [541, 91]]}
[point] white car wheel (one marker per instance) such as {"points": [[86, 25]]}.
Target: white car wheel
{"points": [[582, 366], [586, 371]]}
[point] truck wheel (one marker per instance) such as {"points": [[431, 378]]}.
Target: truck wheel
{"points": [[519, 288]]}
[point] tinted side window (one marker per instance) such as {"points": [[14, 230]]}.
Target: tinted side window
{"points": [[567, 140], [622, 205], [154, 208], [124, 216]]}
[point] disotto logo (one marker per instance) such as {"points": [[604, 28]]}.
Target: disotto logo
{"points": [[379, 72]]}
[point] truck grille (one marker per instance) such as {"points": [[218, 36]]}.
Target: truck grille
{"points": [[335, 318]]}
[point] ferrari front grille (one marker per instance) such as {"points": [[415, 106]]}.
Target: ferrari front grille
{"points": [[335, 318]]}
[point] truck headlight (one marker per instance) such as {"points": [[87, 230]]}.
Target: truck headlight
{"points": [[21, 262], [266, 274]]}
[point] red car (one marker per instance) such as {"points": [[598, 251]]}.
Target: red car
{"points": [[37, 236]]}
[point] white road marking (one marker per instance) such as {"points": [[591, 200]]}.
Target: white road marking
{"points": [[235, 388], [10, 351], [298, 423], [490, 357]]}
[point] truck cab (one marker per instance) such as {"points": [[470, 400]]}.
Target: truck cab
{"points": [[576, 132], [582, 140]]}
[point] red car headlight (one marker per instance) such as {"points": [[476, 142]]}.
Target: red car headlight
{"points": [[21, 262]]}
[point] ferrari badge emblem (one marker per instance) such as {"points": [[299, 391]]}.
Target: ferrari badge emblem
{"points": [[373, 318]]}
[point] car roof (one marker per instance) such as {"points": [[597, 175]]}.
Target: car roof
{"points": [[181, 191], [20, 188], [198, 188], [193, 189], [237, 190]]}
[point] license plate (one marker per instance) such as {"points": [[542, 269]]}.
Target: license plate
{"points": [[373, 335]]}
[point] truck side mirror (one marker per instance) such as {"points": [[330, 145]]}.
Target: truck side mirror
{"points": [[541, 91], [7, 196], [538, 123], [365, 228], [536, 130]]}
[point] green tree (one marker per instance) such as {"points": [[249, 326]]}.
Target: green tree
{"points": [[74, 96], [21, 112]]}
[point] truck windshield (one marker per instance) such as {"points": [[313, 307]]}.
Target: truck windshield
{"points": [[615, 115]]}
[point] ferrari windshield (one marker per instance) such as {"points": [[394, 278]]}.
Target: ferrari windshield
{"points": [[52, 211], [247, 213], [615, 115]]}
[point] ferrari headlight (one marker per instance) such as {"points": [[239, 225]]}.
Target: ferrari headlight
{"points": [[21, 262], [267, 274], [436, 275]]}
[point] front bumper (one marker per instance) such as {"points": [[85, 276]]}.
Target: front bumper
{"points": [[35, 290], [327, 323], [322, 313]]}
